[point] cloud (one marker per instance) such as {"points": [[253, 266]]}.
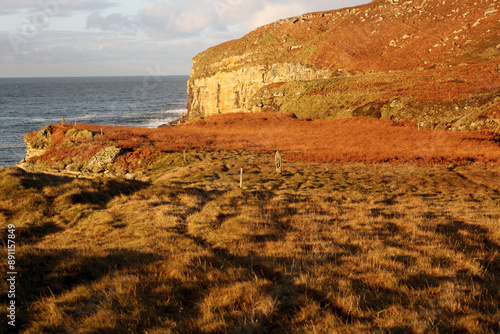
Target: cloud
{"points": [[114, 22], [52, 7], [250, 14], [68, 7], [165, 32], [271, 12], [18, 4], [7, 12], [168, 19]]}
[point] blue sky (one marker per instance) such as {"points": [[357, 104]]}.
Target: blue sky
{"points": [[118, 38]]}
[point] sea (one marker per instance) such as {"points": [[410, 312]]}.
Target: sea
{"points": [[28, 104]]}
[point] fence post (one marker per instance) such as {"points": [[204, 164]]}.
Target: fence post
{"points": [[241, 178], [278, 162]]}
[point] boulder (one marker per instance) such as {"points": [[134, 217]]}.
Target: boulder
{"points": [[99, 162]]}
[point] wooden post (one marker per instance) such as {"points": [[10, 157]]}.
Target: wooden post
{"points": [[62, 121], [278, 162], [101, 132], [185, 159], [75, 124], [241, 178]]}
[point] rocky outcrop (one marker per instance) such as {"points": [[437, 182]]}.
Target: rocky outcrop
{"points": [[37, 144], [99, 162], [232, 90], [62, 149], [430, 58]]}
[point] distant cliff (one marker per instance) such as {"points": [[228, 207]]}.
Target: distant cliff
{"points": [[429, 61]]}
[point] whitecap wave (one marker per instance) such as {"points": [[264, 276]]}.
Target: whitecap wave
{"points": [[11, 146], [171, 115]]}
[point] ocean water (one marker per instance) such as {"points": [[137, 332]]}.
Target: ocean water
{"points": [[28, 104]]}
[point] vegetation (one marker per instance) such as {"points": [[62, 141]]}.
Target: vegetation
{"points": [[436, 63], [359, 139], [447, 103], [320, 249]]}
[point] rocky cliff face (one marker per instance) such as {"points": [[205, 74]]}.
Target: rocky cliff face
{"points": [[434, 62], [232, 90]]}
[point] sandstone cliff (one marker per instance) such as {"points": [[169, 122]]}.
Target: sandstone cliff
{"points": [[433, 62]]}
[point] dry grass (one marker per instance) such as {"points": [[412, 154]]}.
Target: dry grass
{"points": [[357, 139], [322, 249]]}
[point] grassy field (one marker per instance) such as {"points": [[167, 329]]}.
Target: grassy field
{"points": [[322, 248]]}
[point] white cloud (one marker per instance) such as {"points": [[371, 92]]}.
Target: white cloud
{"points": [[189, 21], [272, 12], [18, 4], [4, 12], [52, 7], [114, 22], [122, 37], [169, 19]]}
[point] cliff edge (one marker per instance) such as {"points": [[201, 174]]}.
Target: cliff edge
{"points": [[433, 62]]}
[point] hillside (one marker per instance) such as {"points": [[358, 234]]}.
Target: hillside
{"points": [[180, 248], [82, 148], [433, 62]]}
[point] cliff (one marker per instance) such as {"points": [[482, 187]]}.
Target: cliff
{"points": [[433, 62]]}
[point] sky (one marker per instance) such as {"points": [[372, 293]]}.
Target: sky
{"points": [[52, 38]]}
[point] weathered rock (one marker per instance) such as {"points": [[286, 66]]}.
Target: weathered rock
{"points": [[352, 57], [58, 166], [99, 162], [41, 140], [372, 109], [231, 91], [74, 167], [37, 145]]}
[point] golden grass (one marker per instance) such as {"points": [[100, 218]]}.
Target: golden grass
{"points": [[322, 249]]}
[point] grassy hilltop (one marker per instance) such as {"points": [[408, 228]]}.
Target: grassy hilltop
{"points": [[180, 248]]}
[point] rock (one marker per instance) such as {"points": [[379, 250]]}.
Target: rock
{"points": [[371, 109], [74, 167], [58, 166], [42, 139], [490, 11], [219, 94], [99, 162], [130, 176], [234, 76]]}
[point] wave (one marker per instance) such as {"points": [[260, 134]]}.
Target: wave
{"points": [[11, 146], [156, 122]]}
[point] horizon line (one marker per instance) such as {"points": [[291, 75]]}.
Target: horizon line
{"points": [[93, 76]]}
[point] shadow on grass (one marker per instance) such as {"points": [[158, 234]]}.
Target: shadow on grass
{"points": [[57, 272], [282, 288], [39, 181], [46, 273], [33, 234]]}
